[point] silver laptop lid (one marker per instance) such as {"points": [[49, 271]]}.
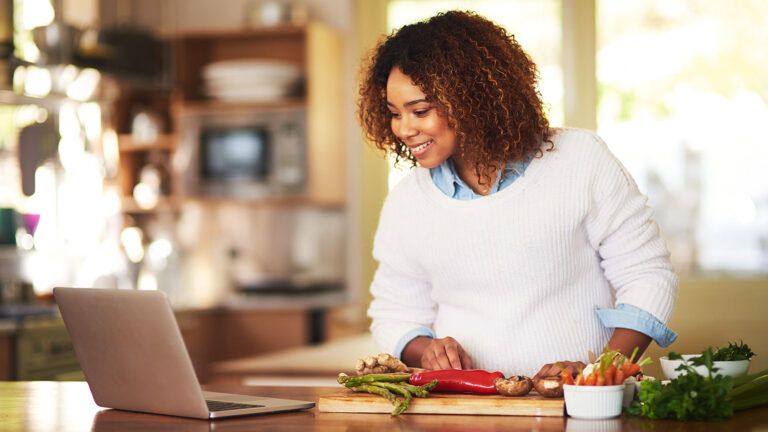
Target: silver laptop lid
{"points": [[131, 351]]}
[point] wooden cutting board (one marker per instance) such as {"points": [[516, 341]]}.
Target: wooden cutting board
{"points": [[348, 401]]}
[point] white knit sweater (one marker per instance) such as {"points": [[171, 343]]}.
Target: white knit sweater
{"points": [[516, 277]]}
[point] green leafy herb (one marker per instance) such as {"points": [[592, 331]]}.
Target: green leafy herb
{"points": [[734, 351], [690, 396]]}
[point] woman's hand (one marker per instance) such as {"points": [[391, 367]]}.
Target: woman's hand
{"points": [[442, 353], [554, 369]]}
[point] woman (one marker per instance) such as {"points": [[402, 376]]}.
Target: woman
{"points": [[511, 245]]}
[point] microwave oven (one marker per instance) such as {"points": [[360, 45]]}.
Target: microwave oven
{"points": [[242, 154]]}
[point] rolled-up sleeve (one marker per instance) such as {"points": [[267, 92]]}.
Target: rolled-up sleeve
{"points": [[634, 318]]}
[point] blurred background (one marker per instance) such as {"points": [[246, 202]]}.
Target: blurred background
{"points": [[210, 150]]}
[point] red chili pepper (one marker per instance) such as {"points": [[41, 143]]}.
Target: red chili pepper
{"points": [[459, 381]]}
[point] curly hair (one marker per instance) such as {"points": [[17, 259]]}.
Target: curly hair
{"points": [[476, 73]]}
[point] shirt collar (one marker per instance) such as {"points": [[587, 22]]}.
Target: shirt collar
{"points": [[446, 178]]}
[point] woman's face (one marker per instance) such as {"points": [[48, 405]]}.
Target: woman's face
{"points": [[417, 122]]}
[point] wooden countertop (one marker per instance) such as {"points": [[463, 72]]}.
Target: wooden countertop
{"points": [[67, 406]]}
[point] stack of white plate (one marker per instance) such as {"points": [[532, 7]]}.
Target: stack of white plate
{"points": [[250, 80]]}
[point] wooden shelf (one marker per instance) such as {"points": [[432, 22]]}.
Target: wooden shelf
{"points": [[269, 201], [208, 105], [229, 32], [130, 205], [126, 143]]}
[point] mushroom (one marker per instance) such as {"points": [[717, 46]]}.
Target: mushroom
{"points": [[514, 386], [550, 387]]}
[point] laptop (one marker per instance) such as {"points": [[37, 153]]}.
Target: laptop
{"points": [[134, 358]]}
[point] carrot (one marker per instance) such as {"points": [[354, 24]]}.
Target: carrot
{"points": [[631, 369], [591, 379], [579, 379], [619, 377], [600, 381], [566, 377], [610, 373]]}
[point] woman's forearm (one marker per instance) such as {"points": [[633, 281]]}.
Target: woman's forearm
{"points": [[625, 340]]}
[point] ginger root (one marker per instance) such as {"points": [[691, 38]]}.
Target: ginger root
{"points": [[391, 362], [381, 363]]}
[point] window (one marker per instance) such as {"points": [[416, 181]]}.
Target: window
{"points": [[683, 101]]}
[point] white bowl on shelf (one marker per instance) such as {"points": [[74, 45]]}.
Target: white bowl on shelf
{"points": [[593, 402], [733, 369], [253, 68]]}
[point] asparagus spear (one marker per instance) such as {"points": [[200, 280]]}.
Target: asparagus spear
{"points": [[388, 385], [400, 405], [422, 390], [399, 389], [408, 391], [347, 380], [367, 388]]}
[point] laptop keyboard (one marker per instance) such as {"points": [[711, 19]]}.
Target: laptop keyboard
{"points": [[226, 406]]}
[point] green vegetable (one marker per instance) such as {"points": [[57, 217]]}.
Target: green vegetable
{"points": [[691, 396], [343, 378], [422, 390], [750, 391], [739, 381], [388, 385], [370, 388], [402, 405], [733, 352]]}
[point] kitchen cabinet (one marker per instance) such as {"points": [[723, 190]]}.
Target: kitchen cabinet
{"points": [[37, 348], [6, 356], [177, 108], [218, 334]]}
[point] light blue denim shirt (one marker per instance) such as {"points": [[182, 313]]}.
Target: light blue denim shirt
{"points": [[447, 179]]}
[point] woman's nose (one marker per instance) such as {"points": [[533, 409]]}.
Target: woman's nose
{"points": [[406, 129]]}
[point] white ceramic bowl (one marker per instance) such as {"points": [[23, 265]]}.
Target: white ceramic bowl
{"points": [[730, 368], [630, 389], [593, 402]]}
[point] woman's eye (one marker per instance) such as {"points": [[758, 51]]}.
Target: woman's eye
{"points": [[422, 113], [394, 115]]}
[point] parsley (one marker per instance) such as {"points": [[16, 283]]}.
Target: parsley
{"points": [[732, 352], [690, 396]]}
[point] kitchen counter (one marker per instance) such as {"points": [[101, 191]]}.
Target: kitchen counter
{"points": [[323, 361], [68, 406], [8, 326]]}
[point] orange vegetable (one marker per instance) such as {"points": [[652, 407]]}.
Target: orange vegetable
{"points": [[610, 374], [579, 379], [619, 377], [631, 369], [600, 379], [566, 377], [591, 379]]}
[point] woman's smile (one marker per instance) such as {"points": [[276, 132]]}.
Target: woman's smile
{"points": [[419, 150]]}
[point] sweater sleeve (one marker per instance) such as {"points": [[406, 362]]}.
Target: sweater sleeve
{"points": [[402, 303], [620, 227]]}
